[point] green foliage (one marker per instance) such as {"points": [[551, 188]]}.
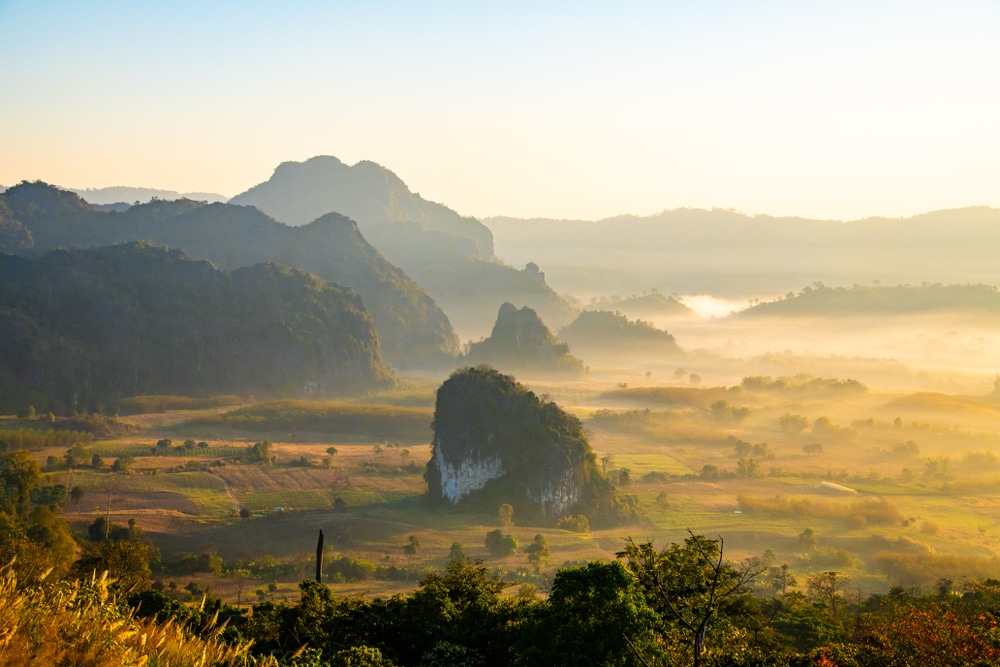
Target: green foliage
{"points": [[133, 319], [596, 615], [578, 523], [500, 545], [692, 587], [125, 561], [538, 553]]}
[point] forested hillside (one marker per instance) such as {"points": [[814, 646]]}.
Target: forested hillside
{"points": [[819, 300], [84, 328], [411, 327]]}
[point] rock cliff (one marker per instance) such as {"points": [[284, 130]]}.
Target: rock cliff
{"points": [[522, 342], [496, 439]]}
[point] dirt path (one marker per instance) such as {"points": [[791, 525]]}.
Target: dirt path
{"points": [[229, 490]]}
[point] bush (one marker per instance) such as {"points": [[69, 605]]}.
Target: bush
{"points": [[577, 523]]}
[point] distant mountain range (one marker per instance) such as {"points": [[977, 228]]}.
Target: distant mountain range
{"points": [[448, 254], [123, 194], [729, 254], [35, 217], [81, 329], [881, 302]]}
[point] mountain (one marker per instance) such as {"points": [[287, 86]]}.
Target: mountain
{"points": [[521, 341], [495, 442], [819, 301], [83, 328], [300, 192], [449, 255], [412, 328], [123, 194], [649, 306], [729, 254], [598, 333]]}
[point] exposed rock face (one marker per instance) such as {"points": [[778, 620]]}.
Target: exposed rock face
{"points": [[490, 433], [520, 340]]}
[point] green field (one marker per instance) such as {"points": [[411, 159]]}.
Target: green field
{"points": [[927, 482]]}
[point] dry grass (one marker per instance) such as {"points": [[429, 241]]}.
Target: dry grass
{"points": [[79, 623]]}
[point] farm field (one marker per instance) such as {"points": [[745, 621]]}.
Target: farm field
{"points": [[916, 498]]}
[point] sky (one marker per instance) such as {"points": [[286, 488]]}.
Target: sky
{"points": [[532, 109]]}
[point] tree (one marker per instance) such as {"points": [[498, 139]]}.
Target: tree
{"points": [[743, 448], [19, 474], [688, 584], [813, 448], [538, 553], [506, 515], [500, 545], [827, 587], [76, 495], [261, 453], [411, 547], [332, 451], [793, 424], [624, 478], [125, 561], [124, 464], [747, 469], [457, 553], [595, 616], [808, 539]]}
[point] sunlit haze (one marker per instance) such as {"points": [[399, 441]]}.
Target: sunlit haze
{"points": [[567, 110]]}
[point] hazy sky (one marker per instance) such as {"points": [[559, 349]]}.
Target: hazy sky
{"points": [[563, 109]]}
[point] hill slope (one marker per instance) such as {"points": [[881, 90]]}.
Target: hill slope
{"points": [[86, 327], [449, 255], [882, 301], [411, 327], [520, 341], [601, 333]]}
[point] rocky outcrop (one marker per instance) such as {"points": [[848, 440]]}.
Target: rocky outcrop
{"points": [[522, 342], [495, 438]]}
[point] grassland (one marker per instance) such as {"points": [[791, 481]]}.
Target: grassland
{"points": [[923, 469]]}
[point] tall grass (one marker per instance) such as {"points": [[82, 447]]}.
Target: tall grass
{"points": [[81, 623]]}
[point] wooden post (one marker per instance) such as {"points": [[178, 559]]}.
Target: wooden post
{"points": [[319, 558]]}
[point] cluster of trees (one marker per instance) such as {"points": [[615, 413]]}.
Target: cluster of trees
{"points": [[682, 604]]}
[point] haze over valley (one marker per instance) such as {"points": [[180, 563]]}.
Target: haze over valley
{"points": [[444, 335]]}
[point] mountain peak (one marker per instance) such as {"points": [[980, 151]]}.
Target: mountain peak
{"points": [[300, 192]]}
